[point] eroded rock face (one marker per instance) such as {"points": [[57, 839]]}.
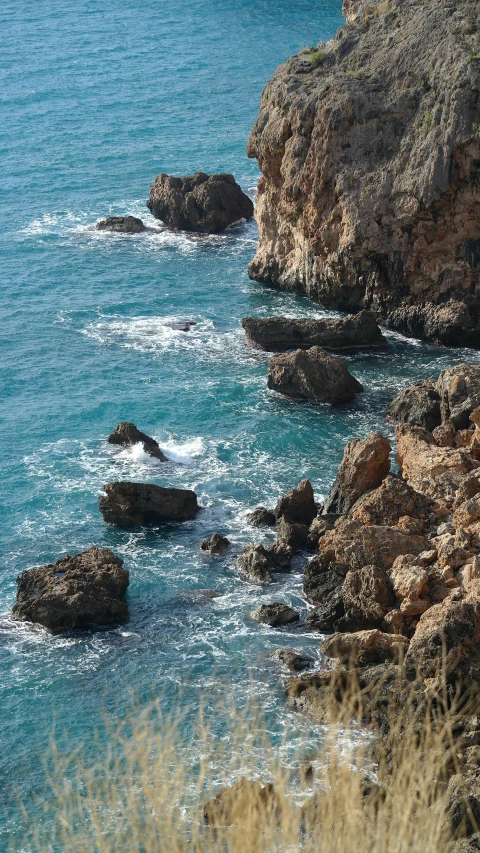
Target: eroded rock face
{"points": [[369, 196], [298, 505], [121, 224], [312, 374], [126, 434], [131, 504], [275, 614], [365, 646], [446, 634], [367, 595], [200, 202], [459, 390], [434, 471], [418, 405], [255, 564], [358, 545], [392, 500], [82, 591], [275, 334], [365, 463]]}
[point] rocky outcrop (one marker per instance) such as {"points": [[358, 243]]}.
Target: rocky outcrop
{"points": [[357, 545], [255, 564], [262, 517], [82, 591], [126, 434], [294, 661], [446, 635], [131, 504], [367, 596], [276, 334], [298, 505], [418, 405], [121, 225], [369, 151], [199, 202], [275, 614], [365, 647], [365, 463], [451, 399], [312, 374], [216, 544], [435, 471], [393, 500]]}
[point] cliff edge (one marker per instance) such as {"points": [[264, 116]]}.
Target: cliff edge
{"points": [[369, 148]]}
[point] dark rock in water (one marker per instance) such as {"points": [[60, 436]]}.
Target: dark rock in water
{"points": [[255, 564], [199, 202], [321, 577], [418, 405], [324, 617], [121, 224], [298, 505], [127, 434], [198, 596], [238, 803], [83, 591], [294, 661], [312, 374], [280, 555], [275, 614], [261, 517], [130, 504], [365, 463], [293, 535], [215, 544], [277, 334]]}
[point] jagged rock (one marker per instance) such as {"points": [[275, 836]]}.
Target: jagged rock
{"points": [[459, 390], [82, 591], [255, 564], [280, 555], [418, 405], [244, 802], [216, 544], [365, 646], [468, 488], [434, 471], [312, 374], [277, 334], [127, 434], [199, 202], [261, 517], [394, 622], [391, 501], [298, 505], [318, 527], [275, 614], [121, 224], [365, 463], [321, 577], [367, 595], [294, 661], [357, 545], [444, 435], [324, 617], [130, 504], [463, 804], [410, 581], [369, 194], [292, 535], [446, 634]]}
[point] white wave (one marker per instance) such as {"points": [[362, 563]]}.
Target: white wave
{"points": [[183, 452]]}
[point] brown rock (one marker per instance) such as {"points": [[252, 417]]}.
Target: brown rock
{"points": [[280, 555], [127, 434], [418, 405], [255, 564], [292, 535], [434, 471], [358, 545], [365, 647], [409, 577], [312, 374], [298, 505], [463, 803], [459, 389], [261, 517], [130, 504], [468, 488], [391, 501], [448, 633], [444, 435], [277, 334], [200, 202], [365, 463], [216, 544], [275, 614], [367, 595]]}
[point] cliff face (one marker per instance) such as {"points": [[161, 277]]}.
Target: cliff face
{"points": [[369, 149]]}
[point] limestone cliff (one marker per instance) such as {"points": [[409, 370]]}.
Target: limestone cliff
{"points": [[369, 147]]}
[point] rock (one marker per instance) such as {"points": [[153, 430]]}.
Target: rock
{"points": [[298, 505], [82, 591], [365, 647], [394, 622], [292, 535], [367, 595], [280, 555], [255, 563], [246, 802], [410, 581], [131, 504], [216, 544], [369, 196], [459, 390], [262, 517], [199, 202], [127, 434], [320, 578], [312, 374], [392, 500], [418, 405], [121, 224], [277, 334], [434, 471], [294, 661], [468, 488], [365, 463], [275, 614], [444, 435], [463, 804], [357, 545], [318, 527], [324, 617], [446, 634]]}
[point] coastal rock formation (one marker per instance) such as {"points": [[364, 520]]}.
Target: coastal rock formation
{"points": [[367, 596], [131, 504], [255, 563], [452, 399], [358, 545], [216, 544], [294, 661], [262, 517], [392, 500], [312, 374], [369, 151], [434, 471], [275, 614], [365, 463], [126, 434], [418, 405], [199, 202], [447, 633], [365, 647], [121, 224], [82, 591], [298, 505], [276, 334]]}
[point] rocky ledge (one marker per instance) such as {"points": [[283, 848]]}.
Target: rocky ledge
{"points": [[131, 504], [312, 374], [275, 334], [369, 148], [199, 202]]}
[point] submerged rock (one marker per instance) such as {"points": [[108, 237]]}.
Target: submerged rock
{"points": [[312, 374], [82, 591], [126, 434], [275, 614], [365, 463], [199, 202], [131, 504], [121, 224], [276, 334], [216, 544]]}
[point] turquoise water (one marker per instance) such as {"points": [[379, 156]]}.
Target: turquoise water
{"points": [[95, 102]]}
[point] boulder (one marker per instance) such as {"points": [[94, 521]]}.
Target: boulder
{"points": [[321, 577], [435, 471], [127, 434], [446, 635], [367, 595], [317, 529], [280, 555], [365, 647], [275, 614], [294, 661], [325, 616], [312, 374], [131, 504], [418, 405], [463, 805], [255, 564], [357, 545], [261, 517], [82, 591], [199, 202], [292, 535], [121, 225], [459, 390], [298, 505], [365, 463], [392, 500], [277, 334], [216, 544], [411, 584]]}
